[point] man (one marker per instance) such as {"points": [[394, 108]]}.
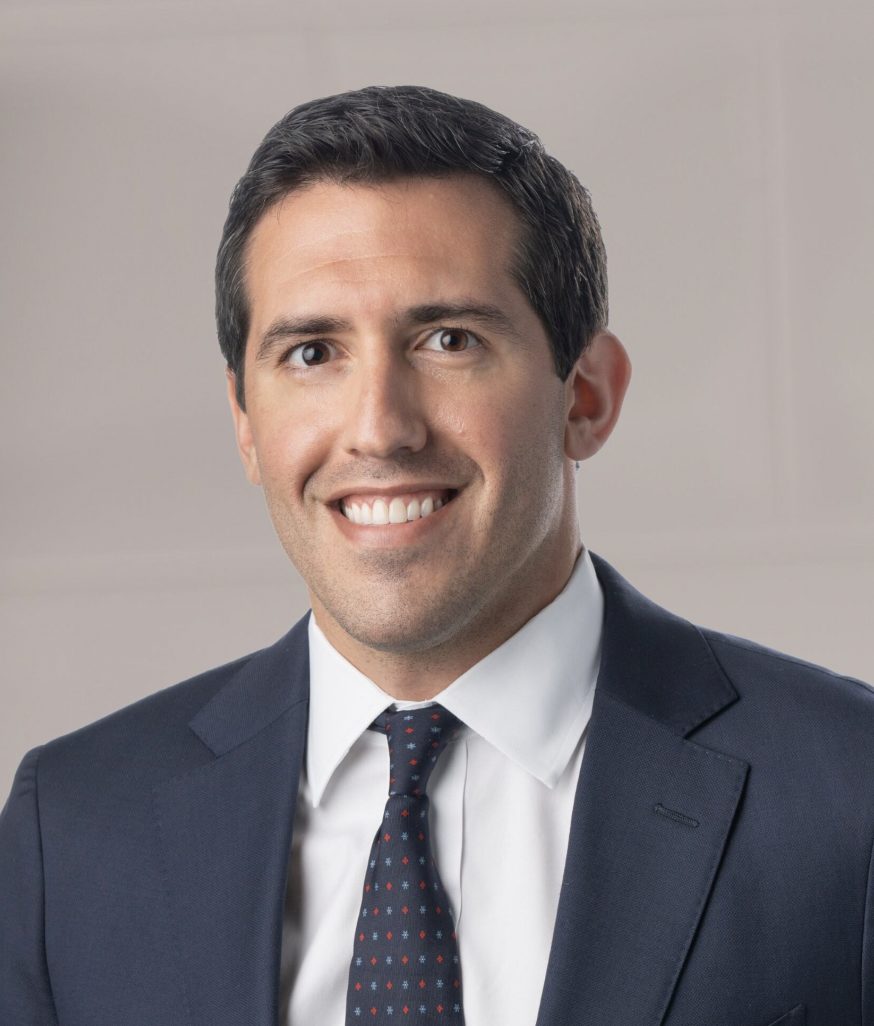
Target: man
{"points": [[596, 812]]}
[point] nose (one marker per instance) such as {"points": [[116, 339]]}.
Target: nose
{"points": [[384, 415]]}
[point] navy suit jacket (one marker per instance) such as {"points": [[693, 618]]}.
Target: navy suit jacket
{"points": [[718, 869]]}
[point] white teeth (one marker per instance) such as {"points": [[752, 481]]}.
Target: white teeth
{"points": [[380, 512], [397, 512]]}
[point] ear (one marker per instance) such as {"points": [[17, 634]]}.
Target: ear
{"points": [[243, 431], [595, 389]]}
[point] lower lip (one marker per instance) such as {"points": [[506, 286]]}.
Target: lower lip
{"points": [[387, 536]]}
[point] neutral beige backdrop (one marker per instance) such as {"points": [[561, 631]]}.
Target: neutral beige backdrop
{"points": [[728, 149]]}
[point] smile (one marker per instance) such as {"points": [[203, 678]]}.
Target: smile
{"points": [[379, 510]]}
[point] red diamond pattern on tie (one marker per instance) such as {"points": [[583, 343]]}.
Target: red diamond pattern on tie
{"points": [[405, 962]]}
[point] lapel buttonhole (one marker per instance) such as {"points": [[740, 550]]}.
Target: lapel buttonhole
{"points": [[677, 817]]}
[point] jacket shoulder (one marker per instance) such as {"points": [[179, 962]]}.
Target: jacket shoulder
{"points": [[748, 660], [139, 742], [791, 706]]}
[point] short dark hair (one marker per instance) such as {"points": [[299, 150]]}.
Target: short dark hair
{"points": [[383, 133]]}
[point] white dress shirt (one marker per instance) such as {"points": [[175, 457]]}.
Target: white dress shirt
{"points": [[501, 801]]}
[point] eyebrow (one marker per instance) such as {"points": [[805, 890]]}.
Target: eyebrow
{"points": [[288, 328]]}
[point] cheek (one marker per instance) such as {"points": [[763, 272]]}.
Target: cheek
{"points": [[290, 449], [515, 436], [478, 423], [476, 411], [488, 432], [452, 420]]}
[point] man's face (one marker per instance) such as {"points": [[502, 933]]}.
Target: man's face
{"points": [[394, 370]]}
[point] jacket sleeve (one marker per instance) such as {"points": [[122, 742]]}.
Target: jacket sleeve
{"points": [[25, 991]]}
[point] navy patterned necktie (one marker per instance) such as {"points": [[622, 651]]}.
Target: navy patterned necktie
{"points": [[405, 964]]}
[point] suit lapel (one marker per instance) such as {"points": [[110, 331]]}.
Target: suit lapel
{"points": [[225, 834], [652, 815]]}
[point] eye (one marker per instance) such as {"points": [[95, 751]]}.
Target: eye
{"points": [[451, 340], [308, 354]]}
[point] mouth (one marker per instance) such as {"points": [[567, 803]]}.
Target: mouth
{"points": [[380, 510]]}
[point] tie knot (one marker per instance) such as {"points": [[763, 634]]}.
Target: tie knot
{"points": [[416, 737]]}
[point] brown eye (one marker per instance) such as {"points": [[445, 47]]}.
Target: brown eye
{"points": [[451, 340], [309, 354]]}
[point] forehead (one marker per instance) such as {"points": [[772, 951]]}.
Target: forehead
{"points": [[382, 244]]}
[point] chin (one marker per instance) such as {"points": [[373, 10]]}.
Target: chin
{"points": [[399, 628], [404, 634]]}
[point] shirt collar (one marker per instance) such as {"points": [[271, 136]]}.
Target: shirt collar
{"points": [[544, 676]]}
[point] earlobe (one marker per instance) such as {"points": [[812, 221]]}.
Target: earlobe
{"points": [[243, 432], [595, 390]]}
